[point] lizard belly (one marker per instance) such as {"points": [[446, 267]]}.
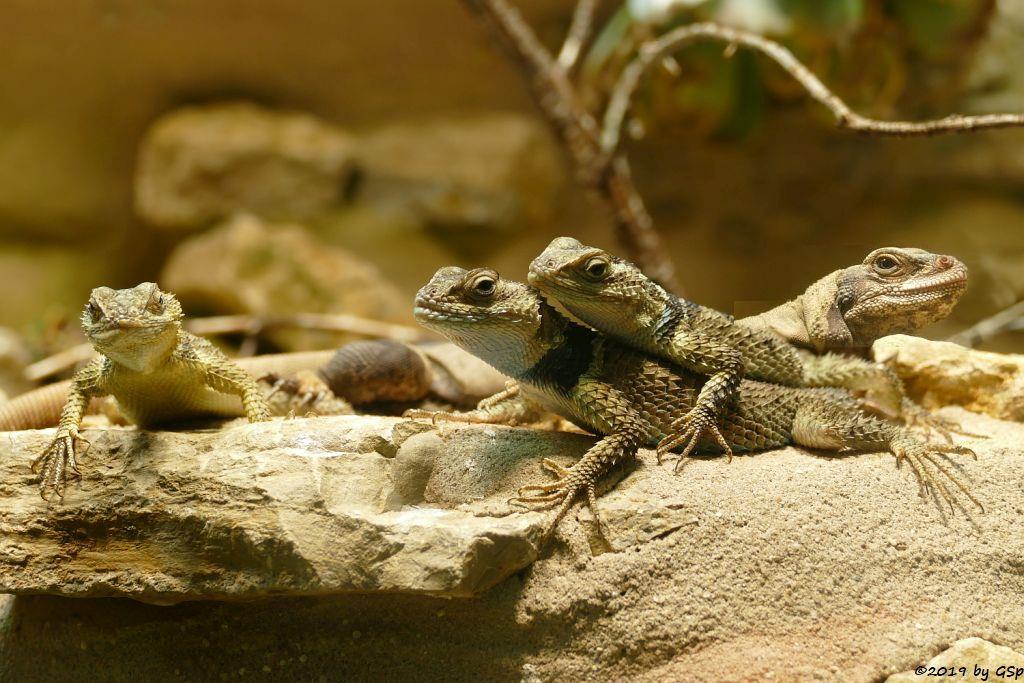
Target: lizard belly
{"points": [[168, 395]]}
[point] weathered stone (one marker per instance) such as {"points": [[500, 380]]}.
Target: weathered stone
{"points": [[200, 164], [942, 373], [781, 566], [291, 506], [249, 266], [973, 660]]}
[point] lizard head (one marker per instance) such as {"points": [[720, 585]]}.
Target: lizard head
{"points": [[136, 327], [594, 285], [494, 319], [897, 290]]}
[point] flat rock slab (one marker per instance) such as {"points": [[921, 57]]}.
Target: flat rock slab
{"points": [[786, 565], [305, 506]]}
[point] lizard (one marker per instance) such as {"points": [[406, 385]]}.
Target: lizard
{"points": [[614, 297], [156, 371], [633, 399]]}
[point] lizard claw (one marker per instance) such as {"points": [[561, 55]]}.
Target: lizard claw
{"points": [[688, 430], [924, 460], [58, 463], [563, 492]]}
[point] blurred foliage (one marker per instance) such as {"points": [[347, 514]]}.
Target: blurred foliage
{"points": [[887, 58]]}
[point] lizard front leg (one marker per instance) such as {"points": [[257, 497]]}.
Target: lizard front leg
{"points": [[581, 478], [222, 375], [58, 461], [614, 415]]}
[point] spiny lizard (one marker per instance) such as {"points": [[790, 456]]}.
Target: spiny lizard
{"points": [[614, 297], [155, 370], [631, 398]]}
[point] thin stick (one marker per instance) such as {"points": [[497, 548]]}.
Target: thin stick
{"points": [[990, 326], [58, 362], [329, 322], [251, 326], [652, 52], [578, 35]]}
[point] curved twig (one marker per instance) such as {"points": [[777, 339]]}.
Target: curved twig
{"points": [[654, 51]]}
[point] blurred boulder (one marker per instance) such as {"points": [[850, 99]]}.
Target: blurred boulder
{"points": [[464, 179], [200, 164], [247, 265], [940, 374]]}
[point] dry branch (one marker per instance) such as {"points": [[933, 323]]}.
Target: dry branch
{"points": [[249, 325], [557, 99], [578, 36], [1011, 318], [654, 51]]}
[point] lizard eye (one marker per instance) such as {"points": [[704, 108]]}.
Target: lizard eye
{"points": [[596, 267], [885, 265], [94, 311], [484, 285], [156, 304]]}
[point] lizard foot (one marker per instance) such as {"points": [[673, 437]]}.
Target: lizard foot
{"points": [[925, 459], [562, 492], [58, 463], [304, 395], [688, 430]]}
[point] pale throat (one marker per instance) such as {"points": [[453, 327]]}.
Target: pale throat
{"points": [[140, 353]]}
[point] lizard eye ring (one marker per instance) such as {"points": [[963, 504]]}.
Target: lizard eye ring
{"points": [[885, 264], [93, 310], [484, 286], [596, 267]]}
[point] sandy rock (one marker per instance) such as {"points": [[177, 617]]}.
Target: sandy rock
{"points": [[941, 373], [973, 660], [783, 566], [291, 506], [247, 265], [199, 164]]}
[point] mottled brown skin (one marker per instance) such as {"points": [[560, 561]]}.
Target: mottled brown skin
{"points": [[896, 290], [631, 398], [156, 371]]}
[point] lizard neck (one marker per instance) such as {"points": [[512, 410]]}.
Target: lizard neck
{"points": [[813, 320]]}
